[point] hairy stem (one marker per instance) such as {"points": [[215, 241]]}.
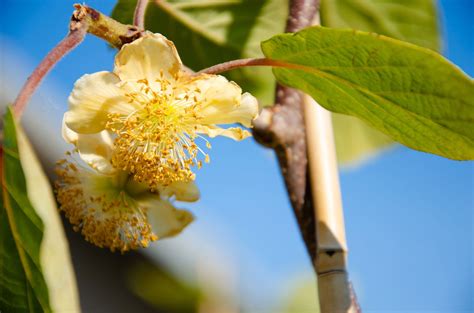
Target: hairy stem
{"points": [[139, 14], [230, 65], [84, 20], [72, 40]]}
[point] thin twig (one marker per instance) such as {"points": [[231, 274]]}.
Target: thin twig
{"points": [[72, 40], [139, 14]]}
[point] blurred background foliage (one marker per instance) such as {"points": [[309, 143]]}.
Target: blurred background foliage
{"points": [[147, 280]]}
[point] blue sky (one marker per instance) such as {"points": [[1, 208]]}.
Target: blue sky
{"points": [[409, 215]]}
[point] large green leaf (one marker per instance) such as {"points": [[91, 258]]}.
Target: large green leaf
{"points": [[414, 21], [410, 93], [207, 32], [35, 267]]}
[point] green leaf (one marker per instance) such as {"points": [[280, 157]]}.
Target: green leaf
{"points": [[411, 94], [35, 267], [356, 141], [408, 20], [207, 32], [414, 21]]}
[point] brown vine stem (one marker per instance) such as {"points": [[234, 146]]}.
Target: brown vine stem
{"points": [[72, 40], [309, 167], [139, 14], [282, 128]]}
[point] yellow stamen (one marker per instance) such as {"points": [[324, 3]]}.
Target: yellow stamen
{"points": [[105, 215], [156, 142]]}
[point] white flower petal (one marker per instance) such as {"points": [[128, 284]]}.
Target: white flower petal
{"points": [[165, 219], [68, 134], [183, 191], [95, 96], [148, 58], [235, 133], [94, 149], [223, 102]]}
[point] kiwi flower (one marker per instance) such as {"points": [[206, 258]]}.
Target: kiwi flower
{"points": [[157, 111], [109, 207]]}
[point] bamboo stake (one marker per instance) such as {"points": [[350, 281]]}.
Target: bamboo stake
{"points": [[333, 284], [335, 290]]}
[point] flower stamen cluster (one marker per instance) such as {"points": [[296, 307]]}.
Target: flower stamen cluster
{"points": [[106, 219], [157, 141]]}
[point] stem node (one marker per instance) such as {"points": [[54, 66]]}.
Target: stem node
{"points": [[104, 27]]}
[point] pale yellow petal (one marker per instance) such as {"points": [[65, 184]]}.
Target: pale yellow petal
{"points": [[166, 220], [68, 134], [182, 191], [94, 149], [95, 96], [235, 133], [249, 107], [148, 58], [223, 102]]}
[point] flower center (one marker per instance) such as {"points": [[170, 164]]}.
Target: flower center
{"points": [[156, 142], [100, 207]]}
